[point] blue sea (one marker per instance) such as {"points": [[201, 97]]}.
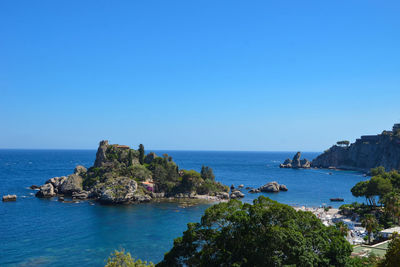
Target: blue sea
{"points": [[42, 232]]}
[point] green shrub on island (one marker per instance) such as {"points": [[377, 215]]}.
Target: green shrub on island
{"points": [[265, 233], [124, 259], [207, 173]]}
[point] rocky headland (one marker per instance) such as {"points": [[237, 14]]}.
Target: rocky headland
{"points": [[121, 175], [296, 162], [369, 151]]}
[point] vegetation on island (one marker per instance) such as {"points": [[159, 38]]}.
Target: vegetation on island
{"points": [[162, 172]]}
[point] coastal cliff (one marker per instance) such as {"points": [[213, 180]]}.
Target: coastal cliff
{"points": [[124, 175], [367, 152]]}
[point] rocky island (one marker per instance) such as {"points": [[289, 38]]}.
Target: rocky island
{"points": [[367, 152], [296, 162], [121, 175]]}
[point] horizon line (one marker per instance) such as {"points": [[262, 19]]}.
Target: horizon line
{"points": [[150, 150]]}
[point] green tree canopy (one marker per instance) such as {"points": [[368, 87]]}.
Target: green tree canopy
{"points": [[379, 185], [266, 233]]}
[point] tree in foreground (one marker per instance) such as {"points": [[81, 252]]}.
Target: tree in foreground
{"points": [[122, 259], [392, 256], [266, 233]]}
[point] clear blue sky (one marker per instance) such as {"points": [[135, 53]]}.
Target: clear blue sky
{"points": [[202, 75]]}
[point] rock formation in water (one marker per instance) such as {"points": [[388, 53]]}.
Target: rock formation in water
{"points": [[118, 177], [367, 152], [296, 163], [8, 198], [272, 187]]}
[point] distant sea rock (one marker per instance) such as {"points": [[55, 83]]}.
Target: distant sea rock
{"points": [[8, 198], [369, 151], [296, 163]]}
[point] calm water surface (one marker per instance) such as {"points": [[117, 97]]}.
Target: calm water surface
{"points": [[41, 232]]}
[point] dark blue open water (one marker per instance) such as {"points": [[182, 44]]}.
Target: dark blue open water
{"points": [[40, 232]]}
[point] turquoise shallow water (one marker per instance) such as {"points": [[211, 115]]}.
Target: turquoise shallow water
{"points": [[40, 232]]}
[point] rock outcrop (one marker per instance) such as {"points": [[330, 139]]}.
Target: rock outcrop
{"points": [[116, 191], [8, 198], [46, 190], [236, 194], [273, 187], [72, 184], [367, 152], [254, 190], [296, 162], [101, 157]]}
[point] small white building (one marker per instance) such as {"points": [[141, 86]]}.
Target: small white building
{"points": [[387, 233]]}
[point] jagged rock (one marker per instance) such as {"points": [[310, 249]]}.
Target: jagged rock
{"points": [[283, 187], [157, 195], [56, 182], [34, 187], [73, 183], [101, 157], [150, 157], [296, 163], [270, 187], [254, 191], [222, 195], [304, 163], [7, 198], [80, 195], [46, 190], [236, 194], [142, 198], [241, 186], [232, 187], [80, 170], [117, 191]]}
